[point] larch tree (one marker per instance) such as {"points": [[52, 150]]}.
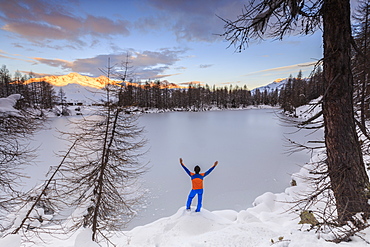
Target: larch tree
{"points": [[101, 171], [277, 18]]}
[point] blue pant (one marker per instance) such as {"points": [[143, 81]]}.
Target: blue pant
{"points": [[191, 196]]}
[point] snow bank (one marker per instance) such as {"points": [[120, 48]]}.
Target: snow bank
{"points": [[7, 105], [221, 228], [11, 240], [261, 225], [83, 239]]}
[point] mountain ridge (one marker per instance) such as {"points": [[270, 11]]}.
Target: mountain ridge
{"points": [[271, 87], [93, 82], [74, 78]]}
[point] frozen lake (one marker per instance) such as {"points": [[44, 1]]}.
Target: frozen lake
{"points": [[249, 145]]}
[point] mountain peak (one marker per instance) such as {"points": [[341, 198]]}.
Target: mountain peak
{"points": [[94, 82], [74, 78], [276, 84]]}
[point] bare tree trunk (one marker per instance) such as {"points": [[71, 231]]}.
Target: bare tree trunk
{"points": [[344, 158]]}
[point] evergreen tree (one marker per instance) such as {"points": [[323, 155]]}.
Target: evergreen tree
{"points": [[5, 81]]}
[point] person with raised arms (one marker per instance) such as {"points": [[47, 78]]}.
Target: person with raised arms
{"points": [[197, 184]]}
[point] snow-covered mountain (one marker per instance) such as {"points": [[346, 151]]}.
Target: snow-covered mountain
{"points": [[74, 78], [92, 82], [277, 84]]}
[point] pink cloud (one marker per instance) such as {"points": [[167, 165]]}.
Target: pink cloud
{"points": [[102, 25], [66, 22], [38, 20], [36, 31], [55, 62]]}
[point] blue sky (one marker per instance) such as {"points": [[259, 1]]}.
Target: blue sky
{"points": [[171, 40]]}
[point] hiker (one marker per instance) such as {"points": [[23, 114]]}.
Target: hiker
{"points": [[197, 184]]}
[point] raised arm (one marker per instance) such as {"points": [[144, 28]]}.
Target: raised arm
{"points": [[185, 168], [211, 169]]}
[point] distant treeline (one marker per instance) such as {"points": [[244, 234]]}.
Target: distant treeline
{"points": [[297, 91]]}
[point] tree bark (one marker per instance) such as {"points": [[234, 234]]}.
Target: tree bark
{"points": [[346, 168]]}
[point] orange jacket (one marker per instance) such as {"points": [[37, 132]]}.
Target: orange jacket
{"points": [[197, 179]]}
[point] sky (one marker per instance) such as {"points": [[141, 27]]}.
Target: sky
{"points": [[173, 40]]}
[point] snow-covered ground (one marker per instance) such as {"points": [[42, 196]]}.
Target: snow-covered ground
{"points": [[268, 222]]}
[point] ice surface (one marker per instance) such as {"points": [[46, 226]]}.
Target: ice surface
{"points": [[250, 148]]}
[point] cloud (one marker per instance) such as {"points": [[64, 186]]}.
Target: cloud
{"points": [[159, 76], [191, 20], [192, 83], [7, 55], [4, 56], [55, 62], [230, 83], [146, 64], [41, 20], [204, 66], [37, 31], [180, 68], [18, 45], [33, 74], [283, 68], [99, 26], [153, 58]]}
